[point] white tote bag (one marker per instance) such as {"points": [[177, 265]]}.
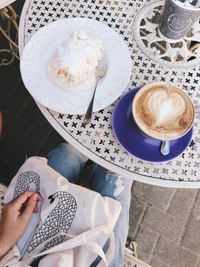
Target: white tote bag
{"points": [[72, 225]]}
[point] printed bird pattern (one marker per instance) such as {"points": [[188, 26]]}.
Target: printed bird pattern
{"points": [[58, 220], [24, 181]]}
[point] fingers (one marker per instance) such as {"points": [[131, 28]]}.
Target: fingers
{"points": [[35, 209], [23, 198], [26, 204], [31, 206]]}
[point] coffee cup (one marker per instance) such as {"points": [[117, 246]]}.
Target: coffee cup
{"points": [[163, 111], [177, 18]]}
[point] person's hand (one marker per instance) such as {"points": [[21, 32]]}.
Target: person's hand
{"points": [[15, 218]]}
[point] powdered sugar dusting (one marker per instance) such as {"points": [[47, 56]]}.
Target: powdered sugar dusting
{"points": [[74, 61]]}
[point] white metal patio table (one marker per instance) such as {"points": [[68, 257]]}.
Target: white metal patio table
{"points": [[97, 140]]}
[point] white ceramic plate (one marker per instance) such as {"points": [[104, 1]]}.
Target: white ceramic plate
{"points": [[53, 94]]}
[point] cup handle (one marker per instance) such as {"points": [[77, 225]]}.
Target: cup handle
{"points": [[165, 147]]}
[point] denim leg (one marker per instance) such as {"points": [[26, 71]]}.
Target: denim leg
{"points": [[112, 185], [67, 161]]}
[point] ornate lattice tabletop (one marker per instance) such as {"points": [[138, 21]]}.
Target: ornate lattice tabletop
{"points": [[96, 140]]}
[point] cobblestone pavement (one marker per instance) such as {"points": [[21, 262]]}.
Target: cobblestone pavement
{"points": [[165, 222]]}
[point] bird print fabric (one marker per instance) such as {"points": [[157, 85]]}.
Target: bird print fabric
{"points": [[24, 181], [58, 220]]}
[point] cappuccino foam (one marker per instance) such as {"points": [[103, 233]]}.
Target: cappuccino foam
{"points": [[163, 111]]}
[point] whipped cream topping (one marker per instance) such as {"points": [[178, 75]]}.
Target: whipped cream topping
{"points": [[74, 61]]}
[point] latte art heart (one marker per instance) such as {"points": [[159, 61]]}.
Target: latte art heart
{"points": [[163, 111], [164, 107]]}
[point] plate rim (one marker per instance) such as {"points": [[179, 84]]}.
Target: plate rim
{"points": [[63, 109]]}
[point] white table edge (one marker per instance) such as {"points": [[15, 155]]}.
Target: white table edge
{"points": [[85, 151], [5, 3]]}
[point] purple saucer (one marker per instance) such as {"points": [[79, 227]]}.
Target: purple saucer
{"points": [[137, 144]]}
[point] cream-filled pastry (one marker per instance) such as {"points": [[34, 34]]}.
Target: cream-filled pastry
{"points": [[74, 61]]}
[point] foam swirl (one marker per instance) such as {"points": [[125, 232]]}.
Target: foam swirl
{"points": [[164, 107]]}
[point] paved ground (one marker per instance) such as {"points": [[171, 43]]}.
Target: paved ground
{"points": [[164, 222]]}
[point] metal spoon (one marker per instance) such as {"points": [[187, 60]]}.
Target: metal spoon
{"points": [[165, 147]]}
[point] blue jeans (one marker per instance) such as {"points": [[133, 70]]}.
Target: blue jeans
{"points": [[70, 163]]}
